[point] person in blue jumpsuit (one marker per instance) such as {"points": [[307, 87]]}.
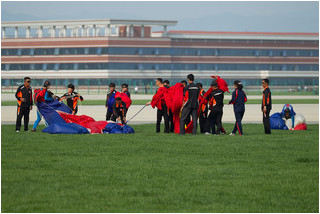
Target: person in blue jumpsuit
{"points": [[47, 98], [238, 100], [288, 112]]}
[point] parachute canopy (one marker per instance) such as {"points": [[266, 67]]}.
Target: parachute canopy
{"points": [[59, 119]]}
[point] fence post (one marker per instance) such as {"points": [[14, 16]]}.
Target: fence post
{"points": [[12, 85], [151, 88], [313, 89], [56, 86], [88, 86], [98, 86], [134, 87]]}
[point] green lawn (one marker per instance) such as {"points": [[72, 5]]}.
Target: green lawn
{"points": [[142, 102], [148, 172]]}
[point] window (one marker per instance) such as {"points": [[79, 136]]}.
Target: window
{"points": [[25, 52], [140, 51], [284, 67], [32, 51], [44, 67], [56, 66], [50, 66], [99, 51], [56, 51], [92, 51], [19, 52], [156, 51], [104, 51], [284, 53]]}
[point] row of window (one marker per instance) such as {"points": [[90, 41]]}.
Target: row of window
{"points": [[151, 66], [158, 51]]}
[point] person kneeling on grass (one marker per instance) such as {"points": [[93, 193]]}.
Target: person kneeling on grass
{"points": [[72, 98], [288, 113], [119, 111], [41, 95], [238, 100]]}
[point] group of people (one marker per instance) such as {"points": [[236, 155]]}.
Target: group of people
{"points": [[116, 108], [207, 107], [26, 99]]}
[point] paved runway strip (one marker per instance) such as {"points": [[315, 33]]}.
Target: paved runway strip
{"points": [[148, 115]]}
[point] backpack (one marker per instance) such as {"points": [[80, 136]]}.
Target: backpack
{"points": [[38, 95]]}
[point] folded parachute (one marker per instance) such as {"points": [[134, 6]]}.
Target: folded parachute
{"points": [[59, 120]]}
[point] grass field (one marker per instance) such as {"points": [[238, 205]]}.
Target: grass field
{"points": [[148, 172], [142, 102]]}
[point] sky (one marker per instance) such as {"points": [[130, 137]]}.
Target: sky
{"points": [[268, 16]]}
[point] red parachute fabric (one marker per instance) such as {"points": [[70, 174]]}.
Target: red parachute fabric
{"points": [[124, 98], [302, 126], [222, 84], [174, 101], [158, 98], [81, 120], [96, 127]]}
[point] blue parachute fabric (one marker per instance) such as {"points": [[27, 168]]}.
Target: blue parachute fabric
{"points": [[276, 122], [65, 128], [110, 126], [111, 101], [116, 131], [49, 113], [128, 129], [114, 128], [59, 106]]}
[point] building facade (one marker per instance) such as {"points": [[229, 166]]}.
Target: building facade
{"points": [[100, 51]]}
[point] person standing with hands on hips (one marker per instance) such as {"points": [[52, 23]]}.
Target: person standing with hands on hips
{"points": [[25, 102], [266, 106]]}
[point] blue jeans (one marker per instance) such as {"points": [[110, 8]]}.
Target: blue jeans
{"points": [[36, 123]]}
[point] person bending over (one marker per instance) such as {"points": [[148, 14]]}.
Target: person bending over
{"points": [[41, 96], [119, 111], [216, 105]]}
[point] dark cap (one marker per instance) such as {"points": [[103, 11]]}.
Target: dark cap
{"points": [[214, 83], [112, 85], [46, 83]]}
